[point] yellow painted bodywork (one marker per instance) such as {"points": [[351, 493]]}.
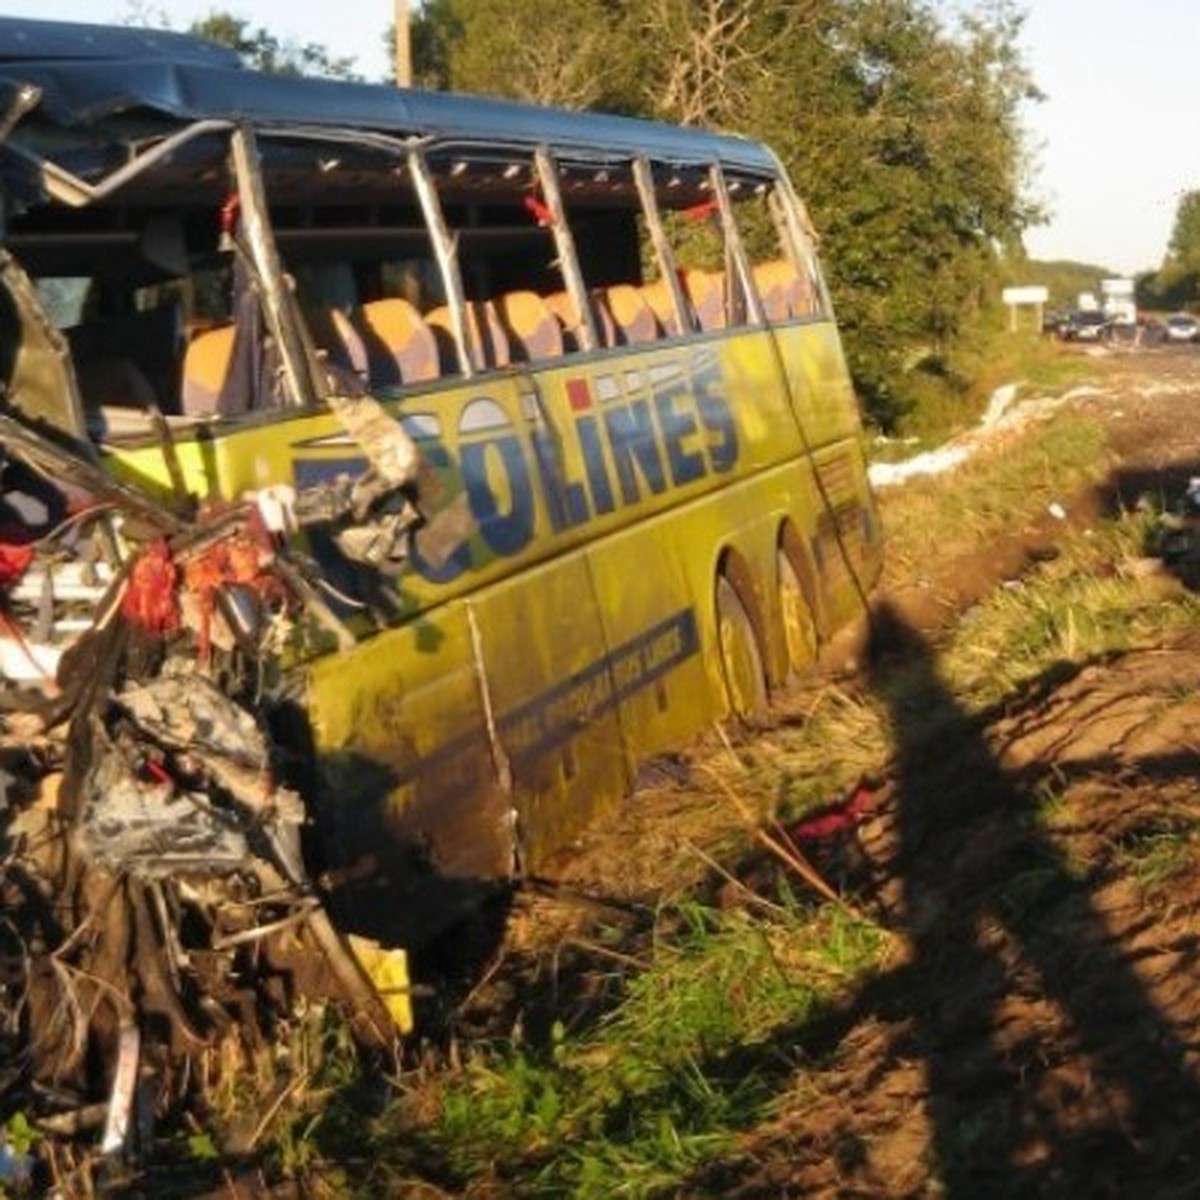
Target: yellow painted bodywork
{"points": [[572, 633]]}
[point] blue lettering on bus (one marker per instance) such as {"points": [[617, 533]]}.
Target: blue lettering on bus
{"points": [[566, 500], [635, 434], [556, 715], [717, 419], [504, 532], [677, 426], [597, 469], [630, 431], [458, 560]]}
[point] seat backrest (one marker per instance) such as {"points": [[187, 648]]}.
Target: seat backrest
{"points": [[484, 327], [563, 307], [633, 319], [533, 331], [781, 290], [206, 364], [400, 346], [662, 304], [706, 292]]}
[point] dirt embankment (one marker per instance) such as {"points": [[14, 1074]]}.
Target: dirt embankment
{"points": [[1037, 1031]]}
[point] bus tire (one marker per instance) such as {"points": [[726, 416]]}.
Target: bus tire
{"points": [[741, 658], [800, 636]]}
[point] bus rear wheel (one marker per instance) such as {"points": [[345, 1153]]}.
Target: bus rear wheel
{"points": [[741, 659], [799, 628]]}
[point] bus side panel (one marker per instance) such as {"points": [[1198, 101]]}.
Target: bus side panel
{"points": [[755, 390], [657, 628], [846, 545], [819, 382], [550, 682], [413, 824]]}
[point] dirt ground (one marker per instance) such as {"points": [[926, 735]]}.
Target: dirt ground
{"points": [[1037, 1030]]}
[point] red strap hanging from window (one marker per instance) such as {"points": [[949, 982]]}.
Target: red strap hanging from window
{"points": [[14, 562], [698, 212], [539, 210], [230, 211]]}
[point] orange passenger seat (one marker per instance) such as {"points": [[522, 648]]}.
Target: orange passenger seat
{"points": [[484, 332], [705, 291], [658, 295], [206, 364], [781, 290], [632, 318], [533, 330], [400, 346]]}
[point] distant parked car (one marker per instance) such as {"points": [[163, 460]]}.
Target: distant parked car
{"points": [[1089, 326], [1182, 327], [1053, 321]]}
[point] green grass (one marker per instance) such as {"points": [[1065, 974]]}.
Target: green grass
{"points": [[1001, 491], [955, 395], [1160, 852], [1085, 604], [689, 1059]]}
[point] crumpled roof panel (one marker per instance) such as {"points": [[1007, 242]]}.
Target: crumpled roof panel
{"points": [[186, 79]]}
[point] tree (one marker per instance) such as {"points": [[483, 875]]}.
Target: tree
{"points": [[1179, 279], [563, 52], [263, 51], [904, 137], [433, 30], [901, 130]]}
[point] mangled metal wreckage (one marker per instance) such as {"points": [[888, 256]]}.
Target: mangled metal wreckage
{"points": [[154, 880], [154, 772]]}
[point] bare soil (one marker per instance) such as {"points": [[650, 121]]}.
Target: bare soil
{"points": [[1037, 1029]]}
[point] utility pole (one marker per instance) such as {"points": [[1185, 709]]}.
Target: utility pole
{"points": [[403, 45]]}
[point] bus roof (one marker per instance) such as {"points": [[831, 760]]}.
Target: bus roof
{"points": [[24, 40], [87, 73]]}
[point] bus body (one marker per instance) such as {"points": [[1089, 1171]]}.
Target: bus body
{"points": [[639, 498]]}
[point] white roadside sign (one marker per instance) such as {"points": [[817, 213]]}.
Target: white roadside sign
{"points": [[1031, 294]]}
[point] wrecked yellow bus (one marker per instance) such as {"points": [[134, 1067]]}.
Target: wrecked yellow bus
{"points": [[533, 428]]}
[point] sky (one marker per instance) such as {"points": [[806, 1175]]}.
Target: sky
{"points": [[1116, 141]]}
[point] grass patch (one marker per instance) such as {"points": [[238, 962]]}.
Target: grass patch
{"points": [[952, 393], [1156, 854], [1085, 604], [699, 1051], [1005, 489]]}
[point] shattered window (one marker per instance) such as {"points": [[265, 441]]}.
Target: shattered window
{"points": [[65, 300]]}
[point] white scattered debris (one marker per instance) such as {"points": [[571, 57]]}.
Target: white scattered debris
{"points": [[1001, 400], [1057, 511], [930, 462], [1002, 413]]}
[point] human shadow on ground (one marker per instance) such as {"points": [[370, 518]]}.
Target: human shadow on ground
{"points": [[1016, 1046], [1013, 970]]}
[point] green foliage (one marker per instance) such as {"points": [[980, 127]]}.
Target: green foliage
{"points": [[902, 132], [201, 1147], [263, 51], [1183, 249], [669, 1079], [433, 30], [561, 52], [1176, 285], [20, 1135]]}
